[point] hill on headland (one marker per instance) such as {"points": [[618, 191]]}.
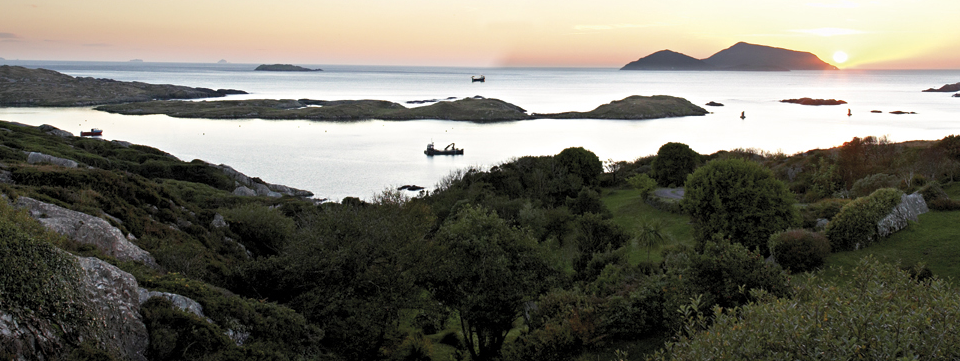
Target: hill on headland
{"points": [[667, 60], [739, 57]]}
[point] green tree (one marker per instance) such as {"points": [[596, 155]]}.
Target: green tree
{"points": [[484, 270], [739, 199], [673, 163], [582, 163]]}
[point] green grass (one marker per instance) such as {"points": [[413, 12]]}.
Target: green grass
{"points": [[629, 209], [935, 241], [952, 189]]}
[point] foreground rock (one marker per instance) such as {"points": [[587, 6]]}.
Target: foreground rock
{"points": [[910, 208], [948, 88], [636, 107], [86, 229], [283, 67], [35, 158], [23, 87], [809, 101], [110, 297]]}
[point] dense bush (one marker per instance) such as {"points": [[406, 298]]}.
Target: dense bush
{"points": [[643, 183], [822, 209], [944, 204], [856, 224], [179, 335], [877, 312], [932, 191], [673, 163], [866, 185], [951, 145], [799, 250], [740, 200], [263, 230]]}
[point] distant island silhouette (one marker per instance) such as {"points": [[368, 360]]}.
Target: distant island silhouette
{"points": [[283, 67], [739, 57]]}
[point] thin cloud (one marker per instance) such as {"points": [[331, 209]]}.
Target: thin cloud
{"points": [[613, 27], [845, 4], [8, 36], [829, 31], [97, 45]]}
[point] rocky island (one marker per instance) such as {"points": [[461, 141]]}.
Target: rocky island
{"points": [[739, 57], [283, 67], [810, 101], [23, 87], [473, 109], [948, 88]]}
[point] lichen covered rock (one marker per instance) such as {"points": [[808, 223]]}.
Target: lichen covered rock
{"points": [[910, 207]]}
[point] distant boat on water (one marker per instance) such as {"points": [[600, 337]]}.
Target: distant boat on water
{"points": [[450, 149], [481, 79], [92, 133]]}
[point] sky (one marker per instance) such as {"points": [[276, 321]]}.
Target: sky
{"points": [[873, 34]]}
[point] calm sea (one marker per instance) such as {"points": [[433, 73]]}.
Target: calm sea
{"points": [[335, 160]]}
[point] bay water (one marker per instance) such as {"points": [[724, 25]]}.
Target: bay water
{"points": [[360, 159]]}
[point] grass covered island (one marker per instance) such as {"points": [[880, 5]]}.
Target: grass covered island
{"points": [[474, 109], [283, 67], [570, 258]]}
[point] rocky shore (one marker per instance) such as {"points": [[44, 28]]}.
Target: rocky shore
{"points": [[24, 87], [948, 88], [809, 101]]}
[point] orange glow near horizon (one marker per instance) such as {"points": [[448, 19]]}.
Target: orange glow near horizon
{"points": [[874, 33]]}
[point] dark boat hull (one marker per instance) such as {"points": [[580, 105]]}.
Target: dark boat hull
{"points": [[432, 152]]}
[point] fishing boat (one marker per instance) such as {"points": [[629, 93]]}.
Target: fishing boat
{"points": [[478, 79], [92, 133], [448, 150]]}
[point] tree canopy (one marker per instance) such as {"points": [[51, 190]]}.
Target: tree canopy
{"points": [[673, 163]]}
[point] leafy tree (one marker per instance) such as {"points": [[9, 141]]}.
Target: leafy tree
{"points": [[740, 200], [484, 270], [582, 163], [673, 163]]}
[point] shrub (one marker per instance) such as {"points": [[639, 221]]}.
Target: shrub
{"points": [[866, 185], [933, 191], [643, 183], [825, 209], [740, 200], [877, 312], [262, 229], [944, 204], [799, 250], [673, 163], [856, 224]]}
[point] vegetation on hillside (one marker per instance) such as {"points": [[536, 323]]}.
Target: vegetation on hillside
{"points": [[541, 257]]}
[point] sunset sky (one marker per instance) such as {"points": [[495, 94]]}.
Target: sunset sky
{"points": [[609, 33]]}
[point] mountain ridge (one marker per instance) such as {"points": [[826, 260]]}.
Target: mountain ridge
{"points": [[741, 56]]}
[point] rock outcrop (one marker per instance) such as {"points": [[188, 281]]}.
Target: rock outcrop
{"points": [[247, 186], [35, 157], [910, 207], [86, 229], [182, 302], [115, 298], [52, 130]]}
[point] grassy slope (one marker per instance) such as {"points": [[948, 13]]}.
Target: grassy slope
{"points": [[628, 209]]}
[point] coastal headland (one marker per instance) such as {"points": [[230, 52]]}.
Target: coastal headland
{"points": [[24, 87], [739, 57]]}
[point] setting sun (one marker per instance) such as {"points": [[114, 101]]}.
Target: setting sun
{"points": [[840, 57]]}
